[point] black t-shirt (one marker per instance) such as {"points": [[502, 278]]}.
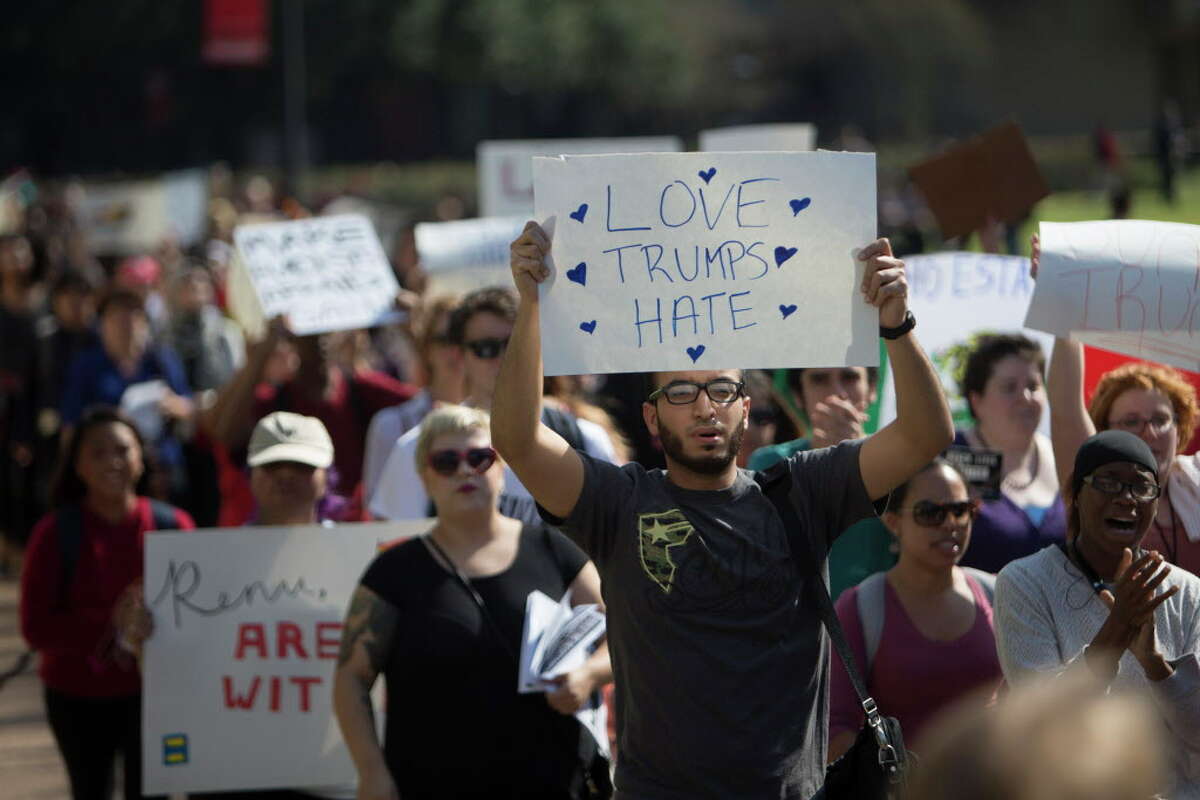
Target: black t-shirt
{"points": [[720, 660], [456, 726]]}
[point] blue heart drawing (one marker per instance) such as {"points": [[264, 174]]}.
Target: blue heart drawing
{"points": [[580, 213], [587, 327], [782, 254], [707, 174], [799, 205], [578, 274], [695, 352], [787, 311]]}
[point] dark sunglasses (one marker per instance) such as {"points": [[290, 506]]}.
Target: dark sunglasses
{"points": [[931, 514], [487, 348], [479, 459]]}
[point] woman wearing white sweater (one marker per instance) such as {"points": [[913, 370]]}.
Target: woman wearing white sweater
{"points": [[1100, 603]]}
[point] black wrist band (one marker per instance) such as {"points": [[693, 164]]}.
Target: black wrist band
{"points": [[909, 323]]}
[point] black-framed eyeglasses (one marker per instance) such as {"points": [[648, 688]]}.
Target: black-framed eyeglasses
{"points": [[487, 348], [680, 393], [1141, 491], [479, 459], [930, 514]]}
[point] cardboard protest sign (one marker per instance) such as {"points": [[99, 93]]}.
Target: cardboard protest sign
{"points": [[467, 254], [1129, 286], [130, 217], [771, 138], [990, 176], [955, 296], [237, 677], [506, 167], [325, 273], [706, 261]]}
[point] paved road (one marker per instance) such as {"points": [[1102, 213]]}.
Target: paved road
{"points": [[30, 768]]}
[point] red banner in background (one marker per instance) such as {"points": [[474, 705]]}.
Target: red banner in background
{"points": [[1097, 362], [236, 33]]}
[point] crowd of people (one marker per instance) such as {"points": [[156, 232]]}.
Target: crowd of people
{"points": [[131, 402]]}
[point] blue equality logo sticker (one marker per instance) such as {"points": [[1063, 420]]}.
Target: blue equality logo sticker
{"points": [[175, 749]]}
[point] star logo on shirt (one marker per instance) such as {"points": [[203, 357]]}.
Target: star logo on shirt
{"points": [[658, 533]]}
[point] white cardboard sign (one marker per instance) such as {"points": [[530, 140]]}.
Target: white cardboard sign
{"points": [[325, 273], [506, 166], [237, 677], [772, 137], [706, 261], [468, 254], [1131, 286], [956, 295], [130, 217]]}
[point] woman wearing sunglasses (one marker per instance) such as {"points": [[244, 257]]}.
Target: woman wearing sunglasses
{"points": [[441, 617], [1100, 603], [924, 617]]}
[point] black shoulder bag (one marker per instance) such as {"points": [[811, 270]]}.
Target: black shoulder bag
{"points": [[875, 765], [592, 781]]}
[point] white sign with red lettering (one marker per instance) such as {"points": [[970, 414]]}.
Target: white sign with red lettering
{"points": [[1130, 286], [237, 676]]}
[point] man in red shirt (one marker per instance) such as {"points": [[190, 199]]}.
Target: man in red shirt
{"points": [[344, 400]]}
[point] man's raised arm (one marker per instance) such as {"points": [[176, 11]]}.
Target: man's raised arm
{"points": [[548, 467], [923, 427]]}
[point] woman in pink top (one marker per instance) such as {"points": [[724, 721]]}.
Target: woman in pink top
{"points": [[922, 634]]}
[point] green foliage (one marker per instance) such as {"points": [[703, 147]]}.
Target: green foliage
{"points": [[624, 49]]}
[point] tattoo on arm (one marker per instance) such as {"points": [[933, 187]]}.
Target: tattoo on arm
{"points": [[370, 621]]}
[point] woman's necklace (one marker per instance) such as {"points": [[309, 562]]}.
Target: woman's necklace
{"points": [[1007, 481]]}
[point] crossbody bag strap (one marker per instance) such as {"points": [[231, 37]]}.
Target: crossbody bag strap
{"points": [[465, 582], [776, 485]]}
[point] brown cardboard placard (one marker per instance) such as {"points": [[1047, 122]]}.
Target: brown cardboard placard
{"points": [[991, 175]]}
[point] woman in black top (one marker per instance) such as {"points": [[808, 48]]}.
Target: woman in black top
{"points": [[456, 726]]}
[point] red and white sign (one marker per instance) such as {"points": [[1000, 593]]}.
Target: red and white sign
{"points": [[236, 33], [237, 677]]}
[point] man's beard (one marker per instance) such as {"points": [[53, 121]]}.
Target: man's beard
{"points": [[708, 464]]}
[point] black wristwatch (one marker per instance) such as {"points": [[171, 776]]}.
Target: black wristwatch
{"points": [[909, 323]]}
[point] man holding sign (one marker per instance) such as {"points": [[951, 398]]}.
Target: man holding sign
{"points": [[718, 652]]}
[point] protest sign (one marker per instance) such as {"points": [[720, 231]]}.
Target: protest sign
{"points": [[506, 169], [1129, 286], [706, 261], [237, 677], [467, 254], [989, 177], [788, 137], [956, 296], [325, 273], [130, 217]]}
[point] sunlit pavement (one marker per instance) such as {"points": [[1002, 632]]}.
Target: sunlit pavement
{"points": [[29, 762]]}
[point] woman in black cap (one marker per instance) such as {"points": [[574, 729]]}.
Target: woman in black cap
{"points": [[1101, 603]]}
